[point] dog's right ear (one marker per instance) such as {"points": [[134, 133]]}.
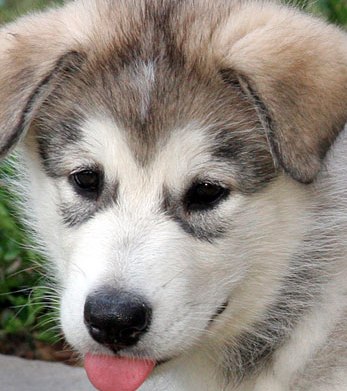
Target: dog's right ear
{"points": [[31, 64], [294, 69]]}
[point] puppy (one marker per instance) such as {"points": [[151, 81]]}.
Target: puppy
{"points": [[182, 166]]}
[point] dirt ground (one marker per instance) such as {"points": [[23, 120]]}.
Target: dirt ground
{"points": [[26, 347]]}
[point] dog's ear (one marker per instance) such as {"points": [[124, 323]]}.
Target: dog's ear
{"points": [[295, 69], [32, 61]]}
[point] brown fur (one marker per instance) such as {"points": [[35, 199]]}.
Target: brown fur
{"points": [[296, 65]]}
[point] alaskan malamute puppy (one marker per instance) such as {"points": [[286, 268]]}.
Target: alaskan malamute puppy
{"points": [[174, 167]]}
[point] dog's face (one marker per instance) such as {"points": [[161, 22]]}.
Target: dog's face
{"points": [[164, 165], [163, 198]]}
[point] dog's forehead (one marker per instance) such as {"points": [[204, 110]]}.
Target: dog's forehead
{"points": [[144, 71], [183, 155], [153, 106], [149, 98], [154, 84]]}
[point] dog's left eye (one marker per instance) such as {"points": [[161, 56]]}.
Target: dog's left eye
{"points": [[205, 195], [87, 181]]}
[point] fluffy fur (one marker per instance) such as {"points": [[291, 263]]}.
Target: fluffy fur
{"points": [[156, 96]]}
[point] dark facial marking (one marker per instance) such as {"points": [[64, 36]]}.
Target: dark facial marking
{"points": [[202, 225], [87, 206], [56, 136], [57, 122], [77, 213], [219, 311], [248, 149]]}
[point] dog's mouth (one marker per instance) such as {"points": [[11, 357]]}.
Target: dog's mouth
{"points": [[218, 312], [115, 373]]}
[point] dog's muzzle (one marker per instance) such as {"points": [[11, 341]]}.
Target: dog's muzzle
{"points": [[116, 318]]}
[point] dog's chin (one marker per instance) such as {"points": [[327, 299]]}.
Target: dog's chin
{"points": [[117, 366]]}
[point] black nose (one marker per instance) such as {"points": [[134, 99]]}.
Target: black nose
{"points": [[116, 318]]}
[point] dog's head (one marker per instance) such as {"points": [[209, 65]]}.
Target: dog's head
{"points": [[167, 148]]}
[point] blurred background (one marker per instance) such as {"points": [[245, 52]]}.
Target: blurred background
{"points": [[28, 308]]}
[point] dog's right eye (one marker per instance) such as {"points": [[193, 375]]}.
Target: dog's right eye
{"points": [[87, 182], [205, 195]]}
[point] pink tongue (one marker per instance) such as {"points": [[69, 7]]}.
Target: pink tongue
{"points": [[108, 373]]}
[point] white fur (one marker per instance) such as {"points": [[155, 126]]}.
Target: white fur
{"points": [[133, 245]]}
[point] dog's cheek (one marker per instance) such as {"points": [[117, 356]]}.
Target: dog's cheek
{"points": [[39, 206], [71, 319]]}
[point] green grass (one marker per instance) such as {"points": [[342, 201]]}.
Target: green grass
{"points": [[334, 10], [25, 305], [10, 9], [23, 309]]}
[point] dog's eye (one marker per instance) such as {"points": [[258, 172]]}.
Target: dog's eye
{"points": [[205, 195], [87, 181]]}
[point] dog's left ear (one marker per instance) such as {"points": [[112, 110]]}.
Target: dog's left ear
{"points": [[34, 57], [295, 69]]}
